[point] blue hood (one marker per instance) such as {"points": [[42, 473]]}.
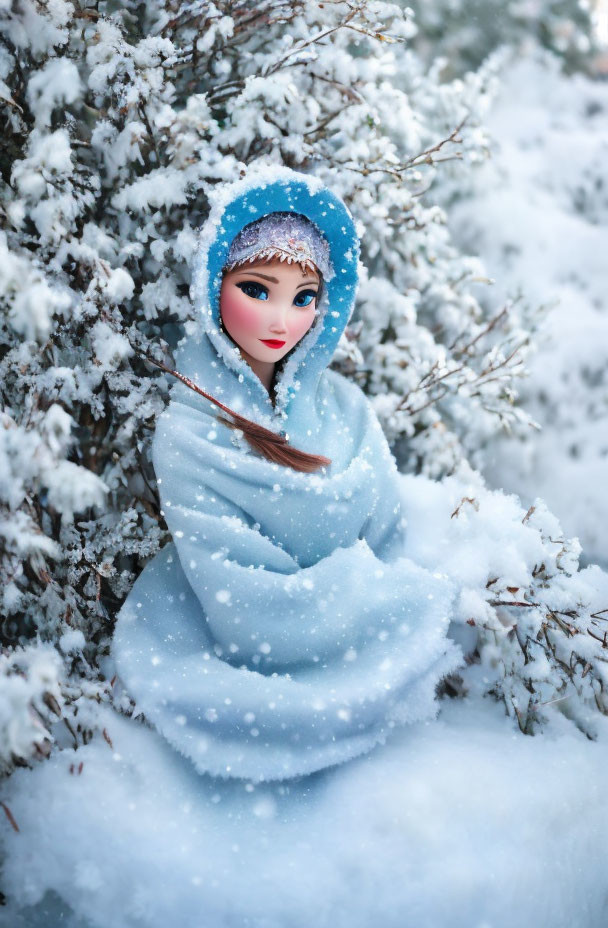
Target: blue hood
{"points": [[263, 191]]}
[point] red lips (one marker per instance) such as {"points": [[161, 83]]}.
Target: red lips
{"points": [[272, 342]]}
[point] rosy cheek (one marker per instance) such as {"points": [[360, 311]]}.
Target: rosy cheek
{"points": [[239, 314], [298, 325]]}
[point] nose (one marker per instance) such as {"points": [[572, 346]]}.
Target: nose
{"points": [[278, 325]]}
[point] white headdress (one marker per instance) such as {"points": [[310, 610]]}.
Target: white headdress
{"points": [[287, 236]]}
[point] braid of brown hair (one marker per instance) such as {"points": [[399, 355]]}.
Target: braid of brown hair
{"points": [[269, 444]]}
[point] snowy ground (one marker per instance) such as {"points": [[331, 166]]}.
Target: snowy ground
{"points": [[460, 822], [537, 214]]}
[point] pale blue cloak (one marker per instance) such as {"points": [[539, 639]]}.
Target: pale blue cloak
{"points": [[282, 630]]}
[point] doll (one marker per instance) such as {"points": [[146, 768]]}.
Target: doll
{"points": [[283, 243], [282, 630]]}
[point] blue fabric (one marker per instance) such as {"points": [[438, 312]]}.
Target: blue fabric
{"points": [[281, 630]]}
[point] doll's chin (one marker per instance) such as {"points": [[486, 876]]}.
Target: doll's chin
{"points": [[271, 354]]}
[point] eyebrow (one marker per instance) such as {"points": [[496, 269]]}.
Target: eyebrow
{"points": [[273, 279]]}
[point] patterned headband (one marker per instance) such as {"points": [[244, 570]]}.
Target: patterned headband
{"points": [[287, 236]]}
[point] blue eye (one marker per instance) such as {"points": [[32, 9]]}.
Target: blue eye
{"points": [[307, 296], [253, 289]]}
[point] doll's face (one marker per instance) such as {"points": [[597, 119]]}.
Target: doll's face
{"points": [[267, 307]]}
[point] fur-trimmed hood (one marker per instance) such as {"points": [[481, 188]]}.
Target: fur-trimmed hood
{"points": [[299, 401]]}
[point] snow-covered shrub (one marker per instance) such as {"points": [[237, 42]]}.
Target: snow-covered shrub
{"points": [[120, 120], [464, 32], [533, 625], [29, 696], [536, 213]]}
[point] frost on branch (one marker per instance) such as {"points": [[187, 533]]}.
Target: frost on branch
{"points": [[30, 696], [536, 625]]}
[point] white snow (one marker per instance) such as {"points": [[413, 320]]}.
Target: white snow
{"points": [[58, 82], [460, 823], [72, 489], [537, 214]]}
